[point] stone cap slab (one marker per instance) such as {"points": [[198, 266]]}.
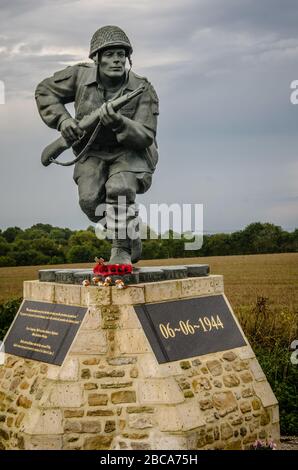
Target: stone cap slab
{"points": [[139, 275], [136, 293]]}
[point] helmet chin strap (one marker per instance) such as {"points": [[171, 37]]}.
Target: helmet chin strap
{"points": [[130, 63]]}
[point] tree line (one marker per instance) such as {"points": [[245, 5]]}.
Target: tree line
{"points": [[44, 244]]}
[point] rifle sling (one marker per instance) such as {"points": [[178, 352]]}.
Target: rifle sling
{"points": [[83, 151]]}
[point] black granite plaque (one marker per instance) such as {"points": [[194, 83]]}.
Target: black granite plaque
{"points": [[43, 331], [192, 327]]}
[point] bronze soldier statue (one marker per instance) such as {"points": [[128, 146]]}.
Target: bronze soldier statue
{"points": [[119, 156]]}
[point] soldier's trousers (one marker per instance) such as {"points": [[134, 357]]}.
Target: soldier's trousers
{"points": [[98, 184]]}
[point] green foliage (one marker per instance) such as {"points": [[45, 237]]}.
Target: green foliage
{"points": [[20, 245], [103, 249], [7, 261], [46, 228], [218, 243], [59, 234], [255, 238], [270, 331], [10, 233], [31, 234], [83, 237], [46, 247], [8, 311], [4, 247], [30, 258], [153, 250], [81, 254], [283, 378], [269, 326], [44, 244]]}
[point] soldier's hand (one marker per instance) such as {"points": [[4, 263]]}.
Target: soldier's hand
{"points": [[70, 130], [109, 117]]}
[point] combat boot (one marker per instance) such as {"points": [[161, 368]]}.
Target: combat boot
{"points": [[121, 252]]}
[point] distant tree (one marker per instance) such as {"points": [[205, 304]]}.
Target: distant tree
{"points": [[58, 234], [264, 238], [46, 228], [88, 238], [81, 254], [7, 261], [68, 233], [31, 234], [236, 243], [81, 237], [172, 244], [46, 247], [102, 249], [154, 249], [4, 247], [10, 233], [150, 249], [293, 241], [21, 245], [172, 248], [30, 258], [219, 244]]}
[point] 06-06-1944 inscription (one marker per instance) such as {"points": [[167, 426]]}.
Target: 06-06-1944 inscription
{"points": [[205, 324]]}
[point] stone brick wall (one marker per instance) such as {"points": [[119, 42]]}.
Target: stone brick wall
{"points": [[111, 393]]}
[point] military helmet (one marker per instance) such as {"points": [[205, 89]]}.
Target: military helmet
{"points": [[109, 36]]}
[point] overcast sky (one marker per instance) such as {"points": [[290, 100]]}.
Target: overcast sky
{"points": [[227, 135]]}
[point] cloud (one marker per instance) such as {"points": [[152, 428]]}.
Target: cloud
{"points": [[217, 36], [222, 70]]}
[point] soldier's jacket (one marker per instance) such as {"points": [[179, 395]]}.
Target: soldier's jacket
{"points": [[79, 84]]}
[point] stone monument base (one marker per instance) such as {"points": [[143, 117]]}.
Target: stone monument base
{"points": [[111, 393]]}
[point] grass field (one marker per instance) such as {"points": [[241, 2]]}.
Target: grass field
{"points": [[246, 277]]}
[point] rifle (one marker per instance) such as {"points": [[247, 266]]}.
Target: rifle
{"points": [[53, 150]]}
